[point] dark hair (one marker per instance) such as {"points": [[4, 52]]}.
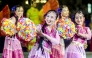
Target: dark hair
{"points": [[52, 11], [43, 28], [59, 10], [42, 38], [78, 12], [13, 9]]}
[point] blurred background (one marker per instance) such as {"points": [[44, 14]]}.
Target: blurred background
{"points": [[74, 5]]}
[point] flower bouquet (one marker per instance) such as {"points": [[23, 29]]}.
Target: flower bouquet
{"points": [[26, 29], [8, 27], [66, 28]]}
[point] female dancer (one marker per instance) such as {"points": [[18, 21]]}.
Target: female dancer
{"points": [[76, 48], [12, 46], [47, 37], [67, 27]]}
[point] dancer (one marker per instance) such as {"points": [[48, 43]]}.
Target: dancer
{"points": [[76, 48], [12, 46], [47, 37], [65, 27]]}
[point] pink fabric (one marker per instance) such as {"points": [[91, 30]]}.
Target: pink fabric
{"points": [[52, 33], [56, 52], [56, 48], [37, 53], [85, 31], [76, 48], [12, 48], [75, 51], [91, 44], [74, 55]]}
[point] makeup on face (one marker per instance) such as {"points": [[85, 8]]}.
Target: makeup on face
{"points": [[79, 18], [50, 18], [65, 12], [19, 11]]}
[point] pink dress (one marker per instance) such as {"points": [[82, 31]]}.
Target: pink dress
{"points": [[76, 48], [12, 48], [91, 42], [47, 46]]}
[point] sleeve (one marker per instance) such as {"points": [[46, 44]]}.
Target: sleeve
{"points": [[38, 27], [88, 35], [56, 40], [53, 40]]}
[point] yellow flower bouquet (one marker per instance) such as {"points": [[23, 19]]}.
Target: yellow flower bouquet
{"points": [[8, 27]]}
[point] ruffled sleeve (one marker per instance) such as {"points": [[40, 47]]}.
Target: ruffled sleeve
{"points": [[88, 35]]}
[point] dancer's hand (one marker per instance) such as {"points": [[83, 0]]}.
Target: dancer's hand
{"points": [[39, 32]]}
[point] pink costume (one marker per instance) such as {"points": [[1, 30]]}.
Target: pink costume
{"points": [[12, 48], [46, 44], [91, 42], [76, 48]]}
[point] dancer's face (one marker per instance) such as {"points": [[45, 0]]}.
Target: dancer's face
{"points": [[79, 18], [65, 12], [50, 18], [19, 11]]}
